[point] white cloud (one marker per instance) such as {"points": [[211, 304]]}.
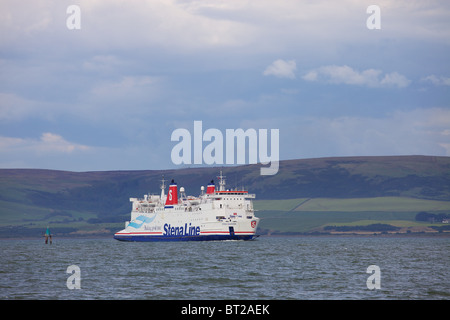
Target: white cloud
{"points": [[47, 143], [265, 24], [52, 151], [395, 79], [347, 75], [53, 142], [420, 131], [281, 69], [438, 81], [166, 24]]}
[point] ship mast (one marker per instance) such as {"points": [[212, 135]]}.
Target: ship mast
{"points": [[163, 186], [221, 182]]}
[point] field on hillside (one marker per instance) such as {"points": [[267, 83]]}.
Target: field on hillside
{"points": [[288, 216], [397, 204], [312, 215]]}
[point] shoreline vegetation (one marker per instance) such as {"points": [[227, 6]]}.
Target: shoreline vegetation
{"points": [[274, 223]]}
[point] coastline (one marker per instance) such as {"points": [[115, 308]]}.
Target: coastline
{"points": [[275, 235]]}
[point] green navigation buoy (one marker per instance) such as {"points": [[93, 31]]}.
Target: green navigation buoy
{"points": [[48, 236]]}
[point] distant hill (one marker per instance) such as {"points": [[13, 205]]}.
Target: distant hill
{"points": [[30, 198]]}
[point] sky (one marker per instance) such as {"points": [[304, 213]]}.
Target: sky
{"points": [[108, 95]]}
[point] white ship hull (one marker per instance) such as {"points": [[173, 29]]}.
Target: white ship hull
{"points": [[216, 215], [188, 232]]}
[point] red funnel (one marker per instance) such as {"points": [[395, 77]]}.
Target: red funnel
{"points": [[172, 195], [211, 187]]}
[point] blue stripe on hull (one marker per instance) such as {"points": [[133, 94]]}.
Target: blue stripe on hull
{"points": [[215, 237]]}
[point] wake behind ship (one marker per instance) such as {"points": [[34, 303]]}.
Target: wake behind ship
{"points": [[215, 215]]}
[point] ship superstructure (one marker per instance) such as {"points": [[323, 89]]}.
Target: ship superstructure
{"points": [[221, 214]]}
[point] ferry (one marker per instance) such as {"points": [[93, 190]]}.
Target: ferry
{"points": [[221, 214]]}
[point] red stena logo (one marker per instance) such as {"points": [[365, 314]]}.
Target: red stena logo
{"points": [[170, 195], [253, 224]]}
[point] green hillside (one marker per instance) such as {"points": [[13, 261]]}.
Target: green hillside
{"points": [[306, 195], [305, 216]]}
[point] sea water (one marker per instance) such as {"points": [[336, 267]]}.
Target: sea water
{"points": [[272, 268]]}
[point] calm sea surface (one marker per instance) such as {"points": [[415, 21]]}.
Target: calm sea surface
{"points": [[267, 268]]}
